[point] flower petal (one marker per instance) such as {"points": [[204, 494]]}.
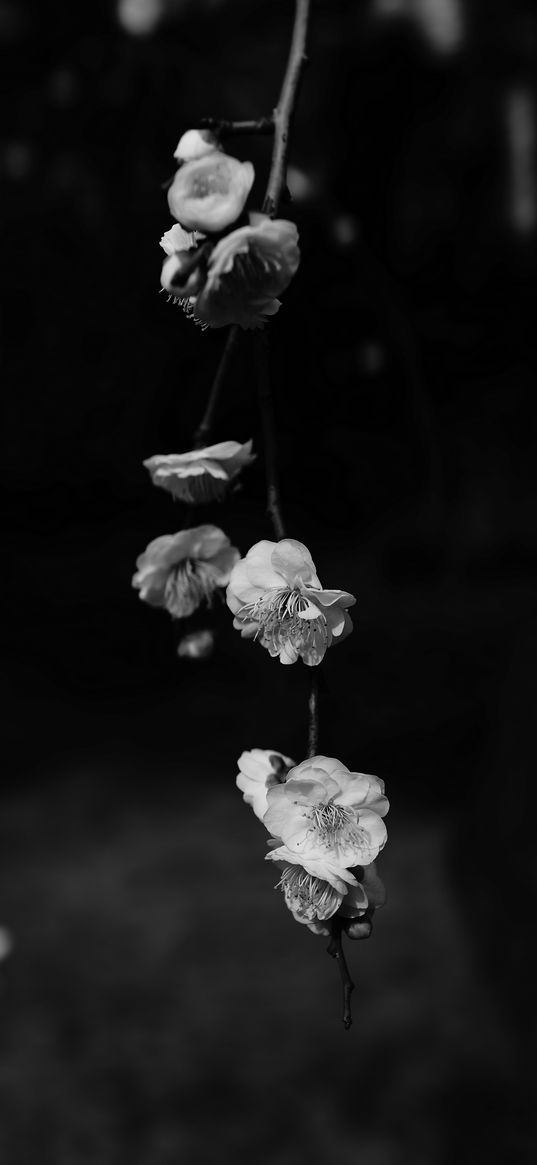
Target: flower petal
{"points": [[338, 877], [293, 561]]}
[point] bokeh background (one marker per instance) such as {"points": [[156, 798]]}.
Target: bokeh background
{"points": [[158, 1004]]}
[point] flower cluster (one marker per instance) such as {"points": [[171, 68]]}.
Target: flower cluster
{"points": [[277, 599], [235, 278], [327, 830], [325, 823]]}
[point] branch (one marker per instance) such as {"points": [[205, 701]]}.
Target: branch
{"points": [[335, 949], [219, 125], [285, 108], [204, 428], [313, 715], [266, 409]]}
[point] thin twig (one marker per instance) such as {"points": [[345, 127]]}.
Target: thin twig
{"points": [[204, 428], [220, 125], [313, 715], [281, 122], [335, 949], [286, 103], [266, 409]]}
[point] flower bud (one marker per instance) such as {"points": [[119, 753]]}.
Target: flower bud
{"points": [[197, 645], [194, 144]]}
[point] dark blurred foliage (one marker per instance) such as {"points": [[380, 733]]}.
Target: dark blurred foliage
{"points": [[160, 1004]]}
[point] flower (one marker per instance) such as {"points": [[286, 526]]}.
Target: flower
{"points": [[247, 270], [201, 475], [209, 192], [181, 571], [260, 769], [313, 901], [276, 598], [327, 820], [194, 144], [197, 645]]}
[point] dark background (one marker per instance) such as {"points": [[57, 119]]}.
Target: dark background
{"points": [[159, 1004]]}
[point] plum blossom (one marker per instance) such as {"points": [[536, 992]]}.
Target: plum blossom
{"points": [[259, 770], [313, 901], [246, 272], [277, 598], [181, 571], [235, 281], [201, 475], [327, 820], [208, 193]]}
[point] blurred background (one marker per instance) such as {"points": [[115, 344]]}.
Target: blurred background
{"points": [[158, 1004]]}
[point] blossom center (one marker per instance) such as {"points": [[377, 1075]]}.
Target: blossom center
{"points": [[334, 824], [309, 897], [190, 583], [279, 614], [214, 181], [201, 487]]}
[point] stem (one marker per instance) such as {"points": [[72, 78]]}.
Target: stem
{"points": [[313, 715], [204, 428], [285, 107], [262, 125], [266, 409], [335, 949], [280, 123]]}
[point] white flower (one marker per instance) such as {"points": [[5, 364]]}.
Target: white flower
{"points": [[259, 770], [181, 571], [327, 820], [313, 901], [201, 475], [195, 143], [247, 270], [276, 597], [209, 193]]}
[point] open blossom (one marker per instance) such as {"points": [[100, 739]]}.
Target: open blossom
{"points": [[181, 571], [209, 192], [201, 475], [259, 770], [276, 598], [327, 820], [313, 901], [246, 272]]}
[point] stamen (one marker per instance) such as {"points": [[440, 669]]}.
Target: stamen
{"points": [[280, 623], [188, 585], [309, 897], [203, 487], [334, 825]]}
